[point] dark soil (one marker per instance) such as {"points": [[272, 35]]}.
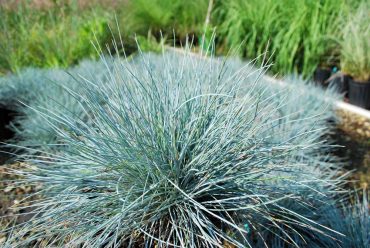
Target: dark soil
{"points": [[6, 116]]}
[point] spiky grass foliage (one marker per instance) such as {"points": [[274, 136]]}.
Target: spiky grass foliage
{"points": [[355, 43], [47, 90], [353, 220], [180, 151], [299, 32], [357, 223]]}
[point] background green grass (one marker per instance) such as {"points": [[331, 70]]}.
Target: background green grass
{"points": [[300, 35], [49, 37]]}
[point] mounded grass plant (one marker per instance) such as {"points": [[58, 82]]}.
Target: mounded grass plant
{"points": [[177, 150], [355, 43], [34, 89], [353, 220], [350, 220]]}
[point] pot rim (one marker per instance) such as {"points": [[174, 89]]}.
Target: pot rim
{"points": [[354, 81]]}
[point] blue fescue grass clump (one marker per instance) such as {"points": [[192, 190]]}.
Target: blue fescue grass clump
{"points": [[353, 221], [349, 217], [357, 223], [176, 150], [46, 90]]}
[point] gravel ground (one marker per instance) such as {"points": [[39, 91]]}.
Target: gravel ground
{"points": [[12, 196], [355, 136], [355, 125]]}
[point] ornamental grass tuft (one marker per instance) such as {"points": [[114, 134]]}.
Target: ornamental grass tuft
{"points": [[174, 150]]}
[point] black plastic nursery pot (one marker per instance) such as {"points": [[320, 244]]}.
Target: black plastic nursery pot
{"points": [[340, 83], [359, 93], [321, 75]]}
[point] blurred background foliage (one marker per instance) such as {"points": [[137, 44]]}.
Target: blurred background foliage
{"points": [[300, 35]]}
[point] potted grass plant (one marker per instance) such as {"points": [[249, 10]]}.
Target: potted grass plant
{"points": [[355, 56], [339, 81]]}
